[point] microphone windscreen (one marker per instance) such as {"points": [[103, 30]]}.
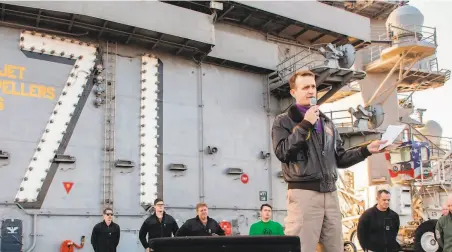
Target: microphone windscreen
{"points": [[313, 101]]}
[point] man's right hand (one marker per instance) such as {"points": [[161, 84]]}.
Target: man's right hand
{"points": [[312, 114], [148, 249]]}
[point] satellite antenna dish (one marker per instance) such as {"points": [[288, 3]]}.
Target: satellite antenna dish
{"points": [[377, 117], [348, 58]]}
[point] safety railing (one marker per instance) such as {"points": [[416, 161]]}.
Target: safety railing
{"points": [[438, 145], [402, 34], [306, 58], [341, 118]]}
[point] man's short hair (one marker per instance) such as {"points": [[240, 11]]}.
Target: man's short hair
{"points": [[300, 73], [382, 191], [266, 205], [157, 201], [107, 209], [199, 205]]}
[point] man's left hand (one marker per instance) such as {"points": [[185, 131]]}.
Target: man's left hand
{"points": [[375, 145]]}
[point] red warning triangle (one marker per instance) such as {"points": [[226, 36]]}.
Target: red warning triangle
{"points": [[68, 186]]}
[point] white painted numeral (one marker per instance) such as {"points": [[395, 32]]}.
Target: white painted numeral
{"points": [[149, 126], [85, 56]]}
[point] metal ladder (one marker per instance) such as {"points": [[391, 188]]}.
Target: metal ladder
{"points": [[109, 123]]}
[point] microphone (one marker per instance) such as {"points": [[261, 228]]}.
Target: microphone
{"points": [[313, 101]]}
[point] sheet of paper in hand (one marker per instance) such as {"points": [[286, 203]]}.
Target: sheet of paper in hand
{"points": [[391, 133]]}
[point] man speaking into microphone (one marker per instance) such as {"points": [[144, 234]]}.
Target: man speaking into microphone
{"points": [[310, 150]]}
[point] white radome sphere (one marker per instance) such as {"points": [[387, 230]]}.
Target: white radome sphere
{"points": [[432, 128], [406, 16]]}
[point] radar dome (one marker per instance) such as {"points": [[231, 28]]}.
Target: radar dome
{"points": [[433, 131], [407, 17]]}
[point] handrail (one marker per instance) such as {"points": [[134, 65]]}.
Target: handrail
{"points": [[433, 146], [348, 122], [421, 33]]}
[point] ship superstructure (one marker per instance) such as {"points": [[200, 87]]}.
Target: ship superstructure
{"points": [[117, 103]]}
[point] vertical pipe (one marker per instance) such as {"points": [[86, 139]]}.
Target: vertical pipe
{"points": [[200, 133], [269, 147], [35, 229]]}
